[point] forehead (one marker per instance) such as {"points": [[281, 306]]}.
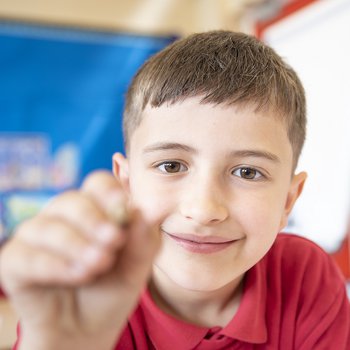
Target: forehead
{"points": [[216, 127]]}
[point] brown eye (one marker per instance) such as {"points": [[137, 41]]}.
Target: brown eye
{"points": [[247, 173], [171, 167]]}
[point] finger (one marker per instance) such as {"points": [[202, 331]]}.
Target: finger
{"points": [[25, 266], [60, 237], [84, 213]]}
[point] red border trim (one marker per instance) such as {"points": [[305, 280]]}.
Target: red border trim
{"points": [[287, 10], [342, 257]]}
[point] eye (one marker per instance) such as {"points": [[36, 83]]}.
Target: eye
{"points": [[247, 173], [171, 167]]}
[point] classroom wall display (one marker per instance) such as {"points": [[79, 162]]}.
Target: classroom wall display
{"points": [[313, 36], [61, 101]]}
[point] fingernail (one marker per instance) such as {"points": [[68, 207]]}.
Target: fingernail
{"points": [[118, 209], [119, 214]]}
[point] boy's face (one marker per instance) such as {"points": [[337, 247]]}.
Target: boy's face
{"points": [[217, 182]]}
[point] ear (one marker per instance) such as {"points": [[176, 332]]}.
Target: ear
{"points": [[295, 189], [121, 170]]}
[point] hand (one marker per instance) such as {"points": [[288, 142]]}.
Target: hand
{"points": [[73, 273]]}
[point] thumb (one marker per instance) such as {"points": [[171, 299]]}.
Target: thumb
{"points": [[142, 244]]}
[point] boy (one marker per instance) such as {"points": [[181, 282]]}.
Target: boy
{"points": [[213, 126]]}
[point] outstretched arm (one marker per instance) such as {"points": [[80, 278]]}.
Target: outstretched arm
{"points": [[73, 273]]}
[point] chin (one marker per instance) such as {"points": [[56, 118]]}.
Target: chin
{"points": [[196, 281]]}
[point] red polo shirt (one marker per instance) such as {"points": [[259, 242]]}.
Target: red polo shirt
{"points": [[294, 298]]}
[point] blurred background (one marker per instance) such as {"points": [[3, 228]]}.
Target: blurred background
{"points": [[65, 66]]}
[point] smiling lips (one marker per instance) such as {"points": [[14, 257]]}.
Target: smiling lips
{"points": [[201, 244]]}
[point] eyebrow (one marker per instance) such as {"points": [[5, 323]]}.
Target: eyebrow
{"points": [[256, 154], [164, 146], [248, 153]]}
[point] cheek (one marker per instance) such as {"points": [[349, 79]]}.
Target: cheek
{"points": [[260, 214]]}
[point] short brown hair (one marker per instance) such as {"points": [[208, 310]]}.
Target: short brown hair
{"points": [[224, 68]]}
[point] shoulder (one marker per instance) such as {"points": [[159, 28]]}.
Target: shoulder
{"points": [[289, 240], [297, 249], [305, 295], [296, 260]]}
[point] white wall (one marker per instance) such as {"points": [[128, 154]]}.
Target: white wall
{"points": [[316, 42]]}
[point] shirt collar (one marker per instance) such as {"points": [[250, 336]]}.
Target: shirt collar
{"points": [[165, 329], [247, 325]]}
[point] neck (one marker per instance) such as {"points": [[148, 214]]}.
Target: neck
{"points": [[203, 308]]}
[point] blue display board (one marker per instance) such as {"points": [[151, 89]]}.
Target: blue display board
{"points": [[61, 101]]}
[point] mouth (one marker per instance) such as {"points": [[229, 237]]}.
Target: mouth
{"points": [[201, 244]]}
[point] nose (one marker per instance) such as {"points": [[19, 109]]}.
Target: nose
{"points": [[204, 202]]}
